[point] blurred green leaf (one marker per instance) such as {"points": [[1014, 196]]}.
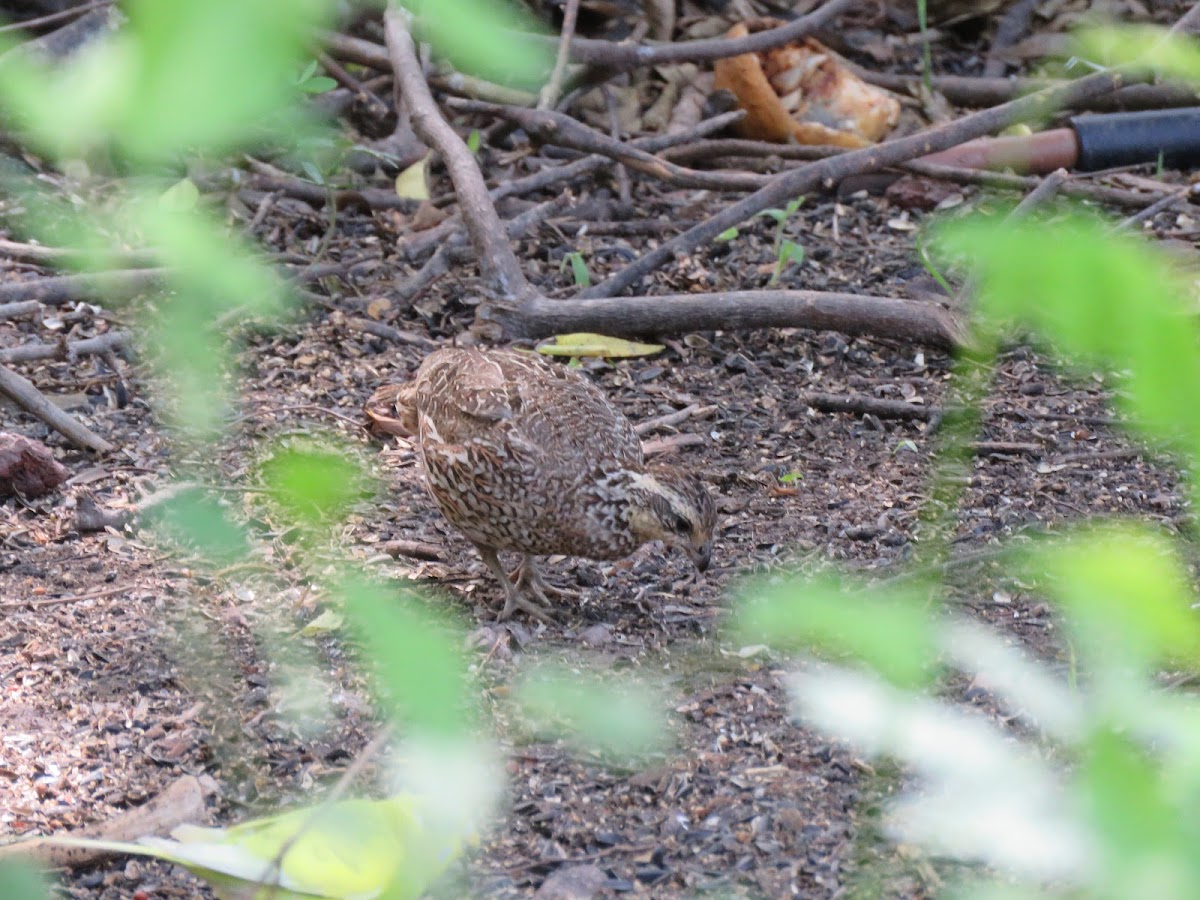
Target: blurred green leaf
{"points": [[1100, 297], [152, 89], [196, 518], [618, 720], [1145, 850], [790, 252], [204, 258], [1146, 47], [417, 657], [579, 269], [319, 85], [21, 882], [727, 235], [480, 37], [888, 630], [181, 196], [314, 484], [1127, 595]]}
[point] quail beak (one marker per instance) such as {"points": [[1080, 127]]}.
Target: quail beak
{"points": [[700, 556]]}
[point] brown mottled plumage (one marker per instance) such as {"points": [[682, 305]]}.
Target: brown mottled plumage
{"points": [[527, 455]]}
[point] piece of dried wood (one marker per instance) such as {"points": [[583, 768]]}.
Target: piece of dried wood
{"points": [[27, 467], [183, 801]]}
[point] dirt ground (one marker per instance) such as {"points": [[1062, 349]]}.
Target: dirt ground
{"points": [[125, 665]]}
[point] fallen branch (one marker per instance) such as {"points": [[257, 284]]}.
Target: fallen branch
{"points": [[415, 246], [413, 550], [24, 308], [714, 150], [58, 290], [695, 411], [977, 93], [862, 405], [388, 333], [613, 57], [105, 343], [661, 446], [58, 256], [183, 801], [558, 128], [828, 172], [23, 392], [517, 310], [553, 88], [852, 314]]}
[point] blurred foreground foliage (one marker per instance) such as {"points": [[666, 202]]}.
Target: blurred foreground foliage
{"points": [[1098, 798], [1098, 803]]}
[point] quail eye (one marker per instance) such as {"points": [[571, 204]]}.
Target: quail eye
{"points": [[680, 524]]}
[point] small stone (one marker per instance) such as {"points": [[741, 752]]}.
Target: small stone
{"points": [[573, 883]]}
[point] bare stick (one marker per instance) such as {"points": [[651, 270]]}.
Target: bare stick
{"points": [[623, 57], [966, 90], [1013, 24], [1044, 191], [22, 392], [39, 253], [105, 343], [660, 446], [497, 262], [454, 250], [24, 308], [559, 128], [828, 172], [1165, 202], [1008, 181], [863, 405], [553, 89], [417, 245], [61, 289], [695, 411], [908, 320]]}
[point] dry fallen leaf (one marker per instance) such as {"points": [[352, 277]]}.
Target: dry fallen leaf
{"points": [[586, 344], [803, 93], [411, 183]]}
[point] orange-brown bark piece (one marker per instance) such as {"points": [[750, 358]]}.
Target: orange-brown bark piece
{"points": [[801, 93], [27, 467]]}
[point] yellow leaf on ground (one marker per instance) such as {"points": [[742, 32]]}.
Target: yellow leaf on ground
{"points": [[412, 183], [587, 344]]}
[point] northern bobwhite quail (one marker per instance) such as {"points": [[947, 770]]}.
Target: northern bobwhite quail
{"points": [[526, 455]]}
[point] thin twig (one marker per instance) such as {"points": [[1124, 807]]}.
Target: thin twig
{"points": [[497, 262], [1165, 202], [105, 343], [51, 18], [62, 289], [71, 598], [28, 397], [695, 411], [553, 89], [828, 172], [616, 58]]}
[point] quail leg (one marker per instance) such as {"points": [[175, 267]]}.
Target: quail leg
{"points": [[514, 598], [529, 577]]}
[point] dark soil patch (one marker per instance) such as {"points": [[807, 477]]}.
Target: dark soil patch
{"points": [[124, 665]]}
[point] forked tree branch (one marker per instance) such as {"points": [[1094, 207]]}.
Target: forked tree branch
{"points": [[518, 311]]}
